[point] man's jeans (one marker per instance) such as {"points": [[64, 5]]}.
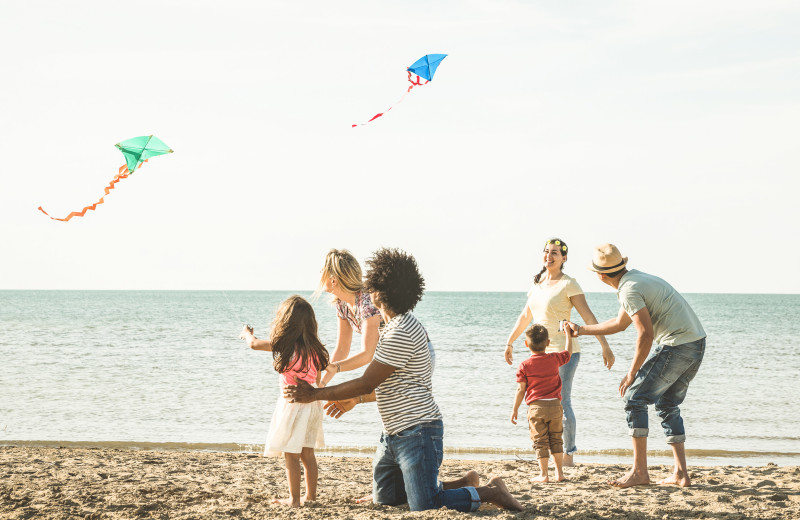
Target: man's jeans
{"points": [[663, 380], [406, 469]]}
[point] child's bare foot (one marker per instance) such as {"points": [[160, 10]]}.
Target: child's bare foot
{"points": [[630, 479], [496, 492], [568, 461], [540, 478], [363, 500], [679, 478], [287, 502]]}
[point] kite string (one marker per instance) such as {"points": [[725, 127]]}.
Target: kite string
{"points": [[233, 310]]}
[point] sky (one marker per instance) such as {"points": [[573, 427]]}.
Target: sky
{"points": [[668, 129]]}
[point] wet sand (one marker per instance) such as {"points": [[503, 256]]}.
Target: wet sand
{"points": [[37, 482]]}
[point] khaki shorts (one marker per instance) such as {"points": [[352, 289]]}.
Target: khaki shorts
{"points": [[546, 423]]}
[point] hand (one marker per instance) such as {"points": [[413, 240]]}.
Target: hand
{"points": [[626, 383], [330, 371], [509, 354], [571, 328], [302, 392], [247, 333], [608, 358], [514, 416], [338, 408]]}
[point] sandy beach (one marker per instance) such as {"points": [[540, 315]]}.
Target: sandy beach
{"points": [[38, 482]]}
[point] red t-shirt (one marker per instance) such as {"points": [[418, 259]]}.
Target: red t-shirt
{"points": [[540, 374]]}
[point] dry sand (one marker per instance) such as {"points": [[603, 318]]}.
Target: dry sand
{"points": [[38, 482]]}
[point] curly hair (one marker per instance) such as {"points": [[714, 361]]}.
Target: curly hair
{"points": [[393, 275]]}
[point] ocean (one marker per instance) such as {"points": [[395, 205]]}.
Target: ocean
{"points": [[165, 369]]}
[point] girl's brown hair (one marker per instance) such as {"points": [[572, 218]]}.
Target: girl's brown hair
{"points": [[294, 334]]}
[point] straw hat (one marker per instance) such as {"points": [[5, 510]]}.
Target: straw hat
{"points": [[607, 259]]}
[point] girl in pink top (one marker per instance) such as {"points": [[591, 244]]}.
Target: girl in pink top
{"points": [[296, 428]]}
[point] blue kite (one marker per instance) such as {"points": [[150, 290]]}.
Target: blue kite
{"points": [[423, 69]]}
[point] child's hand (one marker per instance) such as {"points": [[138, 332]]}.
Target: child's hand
{"points": [[247, 333], [571, 329], [514, 416]]}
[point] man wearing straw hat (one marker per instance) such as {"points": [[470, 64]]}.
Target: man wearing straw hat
{"points": [[659, 313]]}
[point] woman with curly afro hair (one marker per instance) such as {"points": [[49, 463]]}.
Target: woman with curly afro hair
{"points": [[406, 463]]}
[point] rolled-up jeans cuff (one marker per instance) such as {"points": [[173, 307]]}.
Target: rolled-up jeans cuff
{"points": [[476, 499], [676, 439], [639, 432]]}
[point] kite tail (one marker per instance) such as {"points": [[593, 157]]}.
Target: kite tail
{"points": [[413, 84], [123, 174]]}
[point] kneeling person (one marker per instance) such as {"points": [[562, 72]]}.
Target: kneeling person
{"points": [[406, 463]]}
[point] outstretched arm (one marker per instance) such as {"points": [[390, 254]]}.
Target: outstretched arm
{"points": [[369, 340], [612, 326], [253, 342], [580, 304], [524, 318], [375, 374]]}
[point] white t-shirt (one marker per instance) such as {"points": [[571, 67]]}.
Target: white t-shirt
{"points": [[405, 398], [550, 304]]}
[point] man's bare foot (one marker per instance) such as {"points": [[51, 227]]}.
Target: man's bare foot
{"points": [[308, 498], [470, 478], [676, 479], [568, 461], [560, 477], [630, 479], [541, 478], [496, 492], [287, 502], [364, 500]]}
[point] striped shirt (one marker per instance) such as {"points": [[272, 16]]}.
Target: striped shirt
{"points": [[405, 398]]}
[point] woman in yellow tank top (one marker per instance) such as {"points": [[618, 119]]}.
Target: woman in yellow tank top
{"points": [[550, 300]]}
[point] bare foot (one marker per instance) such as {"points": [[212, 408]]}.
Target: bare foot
{"points": [[496, 492], [470, 478], [560, 477], [308, 498], [287, 502], [631, 479], [676, 479], [568, 461], [364, 500], [540, 478]]}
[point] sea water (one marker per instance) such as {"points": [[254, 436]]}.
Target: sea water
{"points": [[166, 369]]}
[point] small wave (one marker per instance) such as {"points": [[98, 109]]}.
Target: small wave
{"points": [[368, 450]]}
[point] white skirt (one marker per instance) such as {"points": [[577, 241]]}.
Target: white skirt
{"points": [[294, 426]]}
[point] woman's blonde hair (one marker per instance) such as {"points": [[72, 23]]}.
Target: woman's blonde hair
{"points": [[294, 336], [344, 268]]}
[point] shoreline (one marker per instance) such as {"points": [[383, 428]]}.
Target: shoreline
{"points": [[701, 457], [116, 483]]}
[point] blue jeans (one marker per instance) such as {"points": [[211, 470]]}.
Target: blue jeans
{"points": [[663, 380], [567, 373], [406, 469]]}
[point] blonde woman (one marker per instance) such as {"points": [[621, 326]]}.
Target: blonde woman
{"points": [[342, 278], [550, 300]]}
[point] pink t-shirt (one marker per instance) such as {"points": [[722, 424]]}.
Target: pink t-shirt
{"points": [[309, 375]]}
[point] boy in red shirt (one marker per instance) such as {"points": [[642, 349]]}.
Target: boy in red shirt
{"points": [[540, 385]]}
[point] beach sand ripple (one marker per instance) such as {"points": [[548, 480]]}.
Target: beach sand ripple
{"points": [[96, 484]]}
